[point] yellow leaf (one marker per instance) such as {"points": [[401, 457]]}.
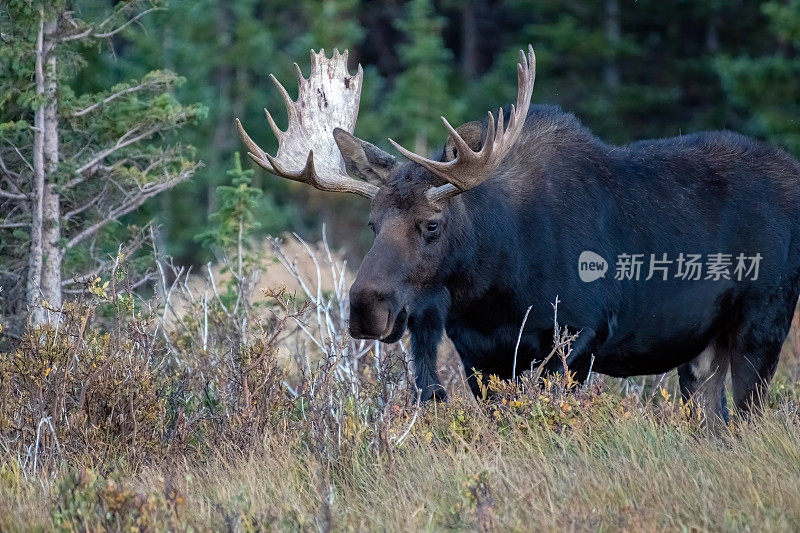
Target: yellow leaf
{"points": [[664, 394]]}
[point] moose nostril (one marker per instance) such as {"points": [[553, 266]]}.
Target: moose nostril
{"points": [[368, 295], [372, 311]]}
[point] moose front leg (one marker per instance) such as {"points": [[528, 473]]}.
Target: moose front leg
{"points": [[426, 333]]}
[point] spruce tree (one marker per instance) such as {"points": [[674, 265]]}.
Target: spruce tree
{"points": [[227, 50], [71, 163], [235, 219], [422, 92]]}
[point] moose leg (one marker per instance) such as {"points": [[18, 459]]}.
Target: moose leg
{"points": [[702, 383], [750, 376], [758, 349], [426, 333], [752, 368]]}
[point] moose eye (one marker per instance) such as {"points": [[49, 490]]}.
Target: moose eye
{"points": [[432, 225]]}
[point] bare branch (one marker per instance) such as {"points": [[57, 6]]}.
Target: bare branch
{"points": [[78, 210], [76, 36], [91, 31], [11, 195], [22, 157], [144, 193], [86, 110], [104, 265], [126, 24], [12, 178], [121, 143]]}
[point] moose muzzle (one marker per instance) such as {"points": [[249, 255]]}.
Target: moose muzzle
{"points": [[375, 313]]}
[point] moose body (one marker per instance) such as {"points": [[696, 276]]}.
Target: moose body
{"points": [[467, 243], [564, 192]]}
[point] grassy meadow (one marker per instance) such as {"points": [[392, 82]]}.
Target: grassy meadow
{"points": [[210, 407]]}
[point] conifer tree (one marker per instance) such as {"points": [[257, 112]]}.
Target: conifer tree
{"points": [[227, 50], [235, 219], [71, 164], [422, 92], [231, 239]]}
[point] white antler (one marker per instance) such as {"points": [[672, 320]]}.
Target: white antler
{"points": [[307, 152]]}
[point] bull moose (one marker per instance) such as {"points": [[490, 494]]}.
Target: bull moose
{"points": [[497, 224]]}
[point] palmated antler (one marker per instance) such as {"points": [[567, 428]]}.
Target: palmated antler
{"points": [[307, 152], [470, 168]]}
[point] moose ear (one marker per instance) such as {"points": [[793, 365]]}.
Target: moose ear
{"points": [[362, 159], [472, 133]]}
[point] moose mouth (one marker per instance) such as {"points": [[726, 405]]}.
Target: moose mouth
{"points": [[397, 329]]}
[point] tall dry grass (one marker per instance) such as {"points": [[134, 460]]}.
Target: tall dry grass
{"points": [[211, 408]]}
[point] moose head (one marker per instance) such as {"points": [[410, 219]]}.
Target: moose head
{"points": [[416, 212]]}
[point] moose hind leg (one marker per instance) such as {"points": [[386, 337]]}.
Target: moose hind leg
{"points": [[758, 347], [751, 372], [702, 383]]}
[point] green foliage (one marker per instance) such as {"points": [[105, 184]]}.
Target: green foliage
{"points": [[334, 23], [232, 237], [670, 68], [117, 141], [225, 50], [422, 92], [235, 220], [763, 90]]}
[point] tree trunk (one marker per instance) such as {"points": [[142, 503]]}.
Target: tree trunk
{"points": [[52, 251], [614, 37], [469, 41], [44, 261], [35, 254], [223, 140]]}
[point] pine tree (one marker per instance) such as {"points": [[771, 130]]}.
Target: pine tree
{"points": [[235, 219], [231, 238], [74, 163], [422, 92], [227, 50]]}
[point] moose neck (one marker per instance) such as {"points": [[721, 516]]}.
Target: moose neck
{"points": [[480, 246]]}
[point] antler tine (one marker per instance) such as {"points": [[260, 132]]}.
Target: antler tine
{"points": [[501, 122], [461, 145], [299, 74], [491, 132], [334, 96], [256, 153], [287, 100], [274, 127], [470, 168]]}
